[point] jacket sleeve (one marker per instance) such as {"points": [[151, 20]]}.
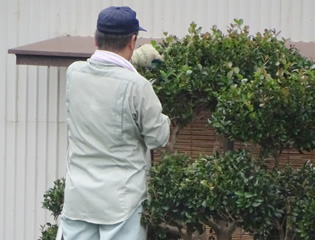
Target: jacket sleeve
{"points": [[154, 126]]}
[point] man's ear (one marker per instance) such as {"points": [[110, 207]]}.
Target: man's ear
{"points": [[133, 41]]}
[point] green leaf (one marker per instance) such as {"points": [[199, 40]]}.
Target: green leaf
{"points": [[248, 195], [230, 74]]}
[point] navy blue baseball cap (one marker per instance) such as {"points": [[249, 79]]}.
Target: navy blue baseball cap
{"points": [[118, 20]]}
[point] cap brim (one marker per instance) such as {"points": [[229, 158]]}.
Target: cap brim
{"points": [[142, 29]]}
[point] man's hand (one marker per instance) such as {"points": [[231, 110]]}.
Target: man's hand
{"points": [[144, 55]]}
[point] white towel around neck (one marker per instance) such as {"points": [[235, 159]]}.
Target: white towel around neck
{"points": [[110, 57]]}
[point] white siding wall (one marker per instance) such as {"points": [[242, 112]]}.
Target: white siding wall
{"points": [[32, 104]]}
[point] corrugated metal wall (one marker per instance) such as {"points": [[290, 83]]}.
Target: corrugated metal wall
{"points": [[32, 109]]}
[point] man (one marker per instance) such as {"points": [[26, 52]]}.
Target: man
{"points": [[114, 117]]}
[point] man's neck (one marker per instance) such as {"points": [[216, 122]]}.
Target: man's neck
{"points": [[125, 53]]}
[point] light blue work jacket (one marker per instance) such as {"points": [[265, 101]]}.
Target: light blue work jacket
{"points": [[113, 118]]}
